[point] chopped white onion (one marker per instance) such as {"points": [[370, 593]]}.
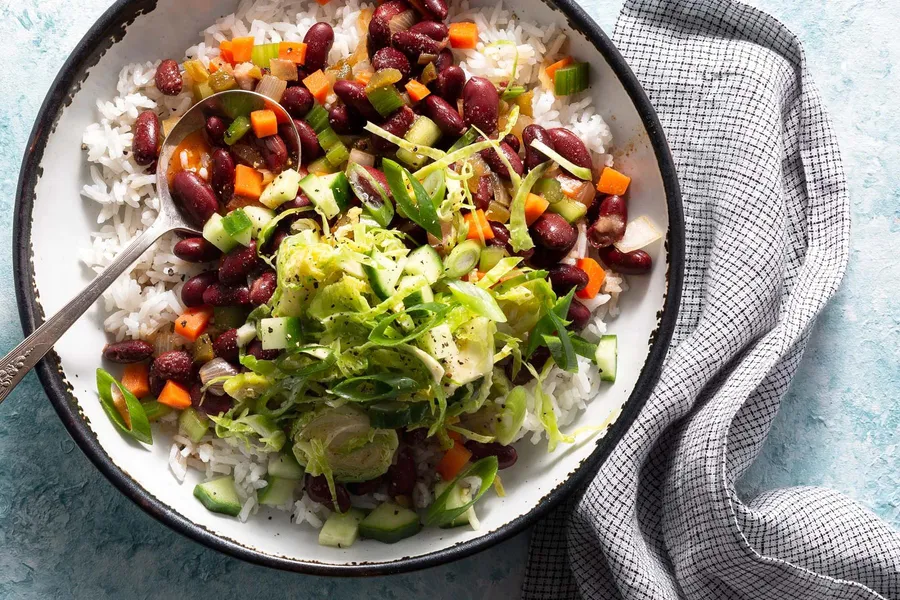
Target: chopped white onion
{"points": [[217, 367], [639, 233], [362, 158], [245, 334], [402, 21], [272, 87]]}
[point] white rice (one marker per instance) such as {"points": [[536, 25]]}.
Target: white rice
{"points": [[148, 299]]}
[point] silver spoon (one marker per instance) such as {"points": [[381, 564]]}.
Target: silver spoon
{"points": [[15, 365]]}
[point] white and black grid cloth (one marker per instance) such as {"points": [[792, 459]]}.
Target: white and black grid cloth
{"points": [[767, 218]]}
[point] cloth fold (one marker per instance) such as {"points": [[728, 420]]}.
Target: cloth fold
{"points": [[767, 228]]}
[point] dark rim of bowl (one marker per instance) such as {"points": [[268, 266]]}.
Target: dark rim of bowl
{"points": [[110, 28]]}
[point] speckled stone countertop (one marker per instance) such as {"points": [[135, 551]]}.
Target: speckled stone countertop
{"points": [[65, 532]]}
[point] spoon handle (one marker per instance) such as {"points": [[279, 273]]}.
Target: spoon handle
{"points": [[15, 365]]}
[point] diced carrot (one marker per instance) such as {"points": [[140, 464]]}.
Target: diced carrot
{"points": [[292, 51], [613, 182], [552, 69], [136, 379], [175, 395], [453, 461], [280, 115], [595, 274], [572, 187], [476, 276], [193, 322], [264, 123], [416, 90], [318, 85], [534, 207], [247, 182], [464, 35], [242, 49], [213, 67], [364, 77], [322, 2], [454, 435], [479, 228], [225, 51]]}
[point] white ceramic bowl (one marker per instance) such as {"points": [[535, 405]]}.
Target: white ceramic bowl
{"points": [[51, 222]]}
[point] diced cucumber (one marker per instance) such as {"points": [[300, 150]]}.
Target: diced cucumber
{"points": [[383, 275], [214, 233], [278, 333], [421, 295], [490, 256], [424, 132], [390, 523], [278, 492], [238, 226], [425, 261], [341, 529], [285, 466], [283, 188], [219, 496], [329, 193], [321, 166], [192, 424], [568, 209], [259, 217], [606, 357]]}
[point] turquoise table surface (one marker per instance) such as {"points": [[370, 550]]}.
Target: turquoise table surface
{"points": [[65, 532]]}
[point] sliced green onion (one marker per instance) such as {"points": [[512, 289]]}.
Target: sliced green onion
{"points": [[263, 53], [404, 144], [237, 129], [477, 300], [579, 172], [140, 425], [467, 138], [435, 314], [385, 99], [519, 280], [269, 229], [323, 358], [438, 514], [462, 259], [519, 238], [583, 347], [374, 387], [547, 324], [262, 367], [571, 79], [513, 92], [424, 213], [378, 205]]}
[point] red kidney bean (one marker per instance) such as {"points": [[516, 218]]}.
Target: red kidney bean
{"points": [[277, 238], [578, 315], [341, 120], [391, 58], [513, 142], [319, 40], [484, 193], [168, 78], [433, 29], [274, 152], [492, 159], [221, 175], [398, 124], [416, 437], [609, 227], [506, 455], [215, 130], [145, 142], [542, 258], [571, 147], [262, 288], [225, 345], [390, 9], [553, 232], [353, 93], [444, 115], [255, 350], [414, 44], [309, 142], [402, 474], [219, 294], [210, 403], [481, 104], [564, 277], [501, 233], [444, 60], [246, 152], [317, 488], [297, 101], [237, 264], [193, 290], [379, 34], [417, 236], [365, 487], [175, 365], [636, 262], [195, 196], [436, 9], [534, 157], [129, 351], [299, 202], [450, 83]]}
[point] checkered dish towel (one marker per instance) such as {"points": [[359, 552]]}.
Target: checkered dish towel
{"points": [[767, 217]]}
